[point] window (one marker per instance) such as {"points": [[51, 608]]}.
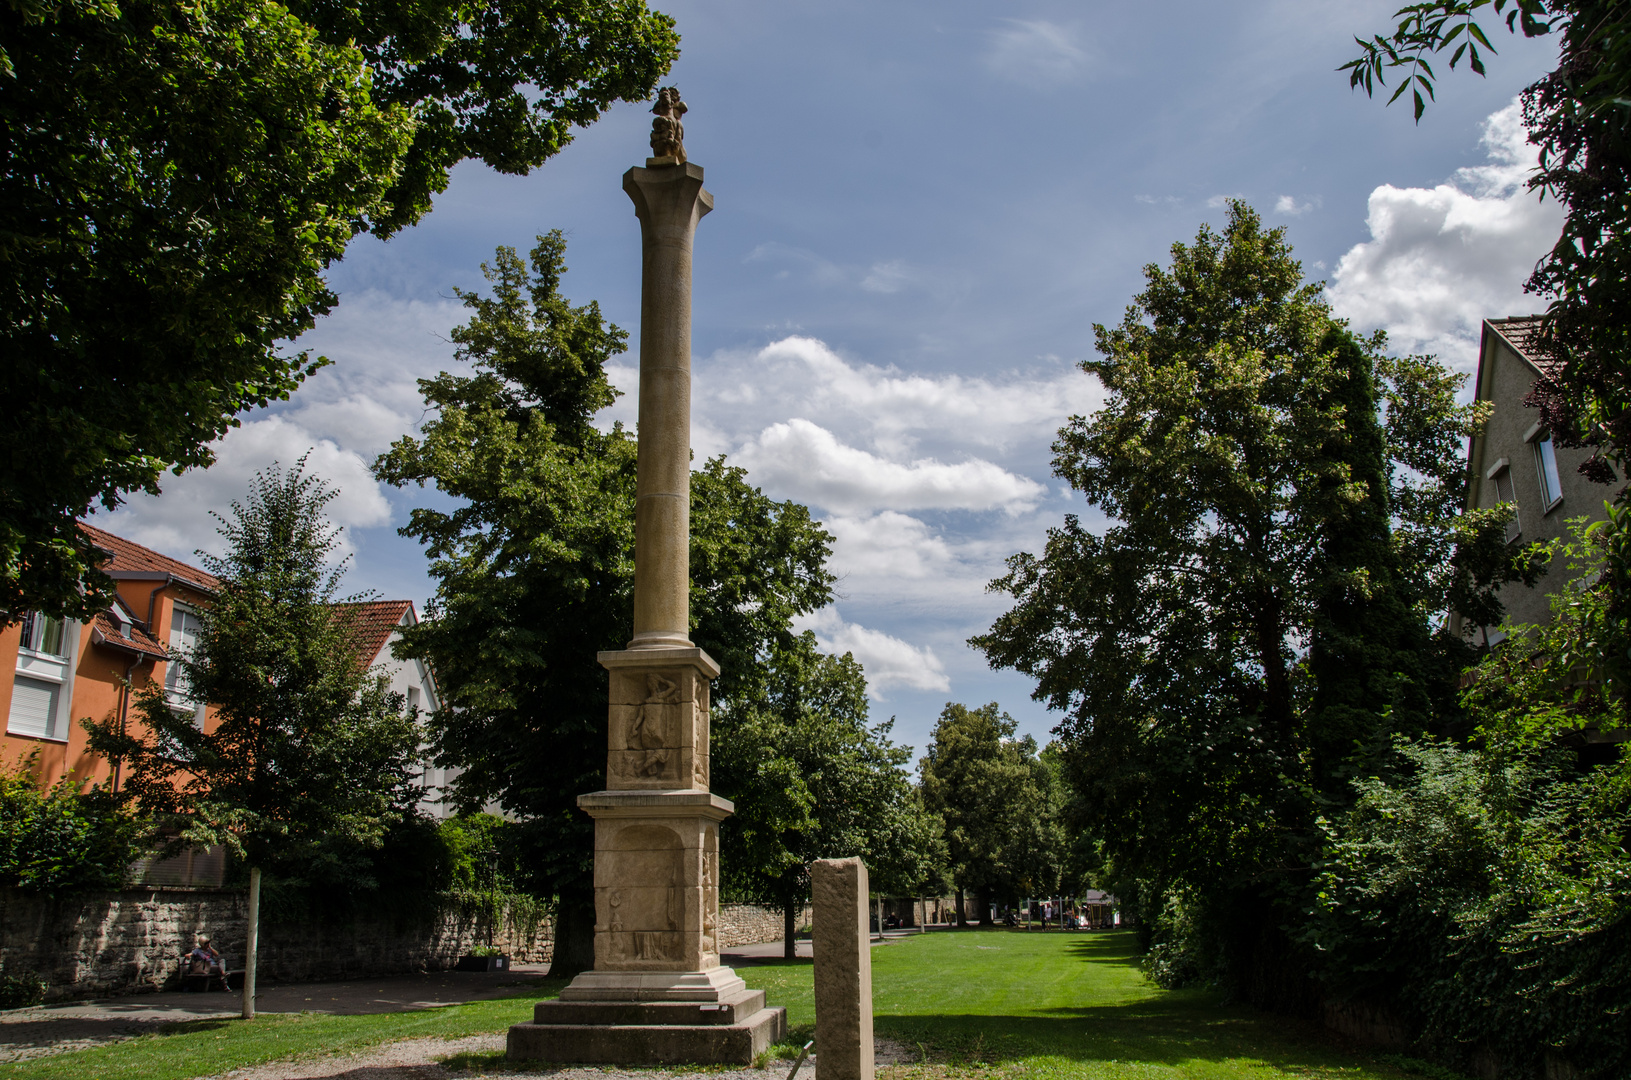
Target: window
{"points": [[41, 690], [413, 699], [42, 634], [185, 626], [1551, 490], [34, 706], [1502, 478]]}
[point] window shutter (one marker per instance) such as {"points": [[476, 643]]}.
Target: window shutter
{"points": [[33, 707]]}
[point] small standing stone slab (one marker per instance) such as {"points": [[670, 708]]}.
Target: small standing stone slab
{"points": [[843, 969]]}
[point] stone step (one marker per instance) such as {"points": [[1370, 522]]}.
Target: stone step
{"points": [[649, 1044], [732, 1009]]}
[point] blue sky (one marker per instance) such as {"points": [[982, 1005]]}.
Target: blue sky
{"points": [[920, 211]]}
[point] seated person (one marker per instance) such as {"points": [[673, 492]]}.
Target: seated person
{"points": [[204, 960]]}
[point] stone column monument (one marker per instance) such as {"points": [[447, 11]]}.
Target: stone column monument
{"points": [[658, 993]]}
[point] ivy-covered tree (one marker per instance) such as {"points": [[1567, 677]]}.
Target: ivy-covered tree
{"points": [[535, 567], [179, 175], [1255, 622], [306, 753]]}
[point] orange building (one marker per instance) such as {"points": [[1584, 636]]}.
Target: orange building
{"points": [[64, 671]]}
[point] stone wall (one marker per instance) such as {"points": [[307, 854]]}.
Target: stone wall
{"points": [[132, 941], [749, 924]]}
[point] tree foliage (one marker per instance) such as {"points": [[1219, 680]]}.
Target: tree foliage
{"points": [[998, 803], [534, 565], [179, 176], [812, 779], [1253, 624], [1478, 888], [308, 754], [63, 840]]}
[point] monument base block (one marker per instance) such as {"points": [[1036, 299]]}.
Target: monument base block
{"points": [[731, 1031]]}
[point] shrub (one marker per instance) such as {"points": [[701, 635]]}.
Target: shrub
{"points": [[21, 991], [63, 840]]}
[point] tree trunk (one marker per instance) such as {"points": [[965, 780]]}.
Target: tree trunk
{"points": [[790, 916], [574, 934], [252, 943], [982, 897], [962, 911]]}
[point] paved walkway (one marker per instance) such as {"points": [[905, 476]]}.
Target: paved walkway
{"points": [[71, 1025]]}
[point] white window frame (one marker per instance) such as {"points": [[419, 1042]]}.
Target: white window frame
{"points": [[38, 666], [1503, 467], [178, 698], [1551, 482]]}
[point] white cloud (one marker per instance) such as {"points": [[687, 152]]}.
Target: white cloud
{"points": [[179, 522], [1218, 202], [890, 411], [888, 661], [1290, 207], [806, 459], [1036, 53], [1442, 259], [889, 545]]}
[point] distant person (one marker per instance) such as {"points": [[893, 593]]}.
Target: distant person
{"points": [[205, 961]]}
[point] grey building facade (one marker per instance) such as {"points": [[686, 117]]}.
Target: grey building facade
{"points": [[1514, 461]]}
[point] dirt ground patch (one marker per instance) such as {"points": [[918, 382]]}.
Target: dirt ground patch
{"points": [[425, 1059]]}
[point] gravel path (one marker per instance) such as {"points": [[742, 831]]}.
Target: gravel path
{"points": [[421, 1059]]}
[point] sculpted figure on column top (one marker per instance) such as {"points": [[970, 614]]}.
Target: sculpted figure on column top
{"points": [[667, 132]]}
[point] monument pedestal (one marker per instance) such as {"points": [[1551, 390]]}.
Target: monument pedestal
{"points": [[657, 994]]}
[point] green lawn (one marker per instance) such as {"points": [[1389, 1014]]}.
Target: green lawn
{"points": [[977, 1005], [1001, 1002]]}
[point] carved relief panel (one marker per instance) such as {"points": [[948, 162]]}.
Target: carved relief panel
{"points": [[657, 734], [641, 900], [710, 896]]}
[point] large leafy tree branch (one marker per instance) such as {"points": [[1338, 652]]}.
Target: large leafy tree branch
{"points": [[180, 175]]}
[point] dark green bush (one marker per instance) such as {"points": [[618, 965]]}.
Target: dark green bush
{"points": [[21, 991], [1483, 891], [63, 840]]}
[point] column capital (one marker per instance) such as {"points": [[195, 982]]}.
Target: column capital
{"points": [[668, 194]]}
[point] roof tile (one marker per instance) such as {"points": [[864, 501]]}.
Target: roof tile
{"points": [[1521, 332], [129, 557], [372, 623]]}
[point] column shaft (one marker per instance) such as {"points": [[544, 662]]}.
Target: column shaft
{"points": [[669, 201]]}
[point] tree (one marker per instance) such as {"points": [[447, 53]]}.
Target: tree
{"points": [[1254, 624], [811, 779], [179, 176], [309, 753], [993, 796], [1578, 117], [534, 566]]}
